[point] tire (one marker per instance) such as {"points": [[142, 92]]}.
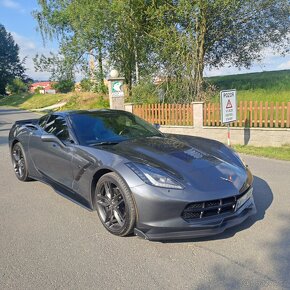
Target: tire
{"points": [[19, 162], [114, 204]]}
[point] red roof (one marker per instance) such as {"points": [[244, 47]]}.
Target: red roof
{"points": [[45, 85]]}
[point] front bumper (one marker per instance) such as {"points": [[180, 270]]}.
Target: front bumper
{"points": [[175, 228]]}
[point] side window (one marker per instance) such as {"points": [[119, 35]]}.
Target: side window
{"points": [[42, 121], [57, 126]]}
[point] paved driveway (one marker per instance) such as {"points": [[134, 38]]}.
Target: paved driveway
{"points": [[47, 241]]}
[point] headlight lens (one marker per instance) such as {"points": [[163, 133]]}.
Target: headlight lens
{"points": [[154, 176]]}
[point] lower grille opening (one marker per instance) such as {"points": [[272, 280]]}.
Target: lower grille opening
{"points": [[200, 210]]}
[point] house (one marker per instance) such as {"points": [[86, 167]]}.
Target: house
{"points": [[45, 87]]}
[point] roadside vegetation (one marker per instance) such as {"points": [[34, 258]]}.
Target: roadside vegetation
{"points": [[281, 153], [74, 101]]}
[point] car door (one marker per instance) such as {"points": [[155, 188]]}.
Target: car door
{"points": [[53, 159]]}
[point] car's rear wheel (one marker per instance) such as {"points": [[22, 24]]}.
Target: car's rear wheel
{"points": [[115, 205], [19, 162]]}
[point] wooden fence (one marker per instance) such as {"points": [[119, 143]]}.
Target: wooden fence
{"points": [[251, 114], [166, 114]]}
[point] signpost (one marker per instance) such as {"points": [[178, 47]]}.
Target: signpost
{"points": [[116, 91], [228, 104]]}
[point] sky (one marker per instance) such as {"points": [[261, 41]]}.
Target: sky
{"points": [[16, 16]]}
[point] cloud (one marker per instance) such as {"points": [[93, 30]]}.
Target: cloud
{"points": [[284, 65], [11, 4], [271, 60], [28, 49]]}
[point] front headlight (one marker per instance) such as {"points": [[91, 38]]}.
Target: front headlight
{"points": [[154, 176]]}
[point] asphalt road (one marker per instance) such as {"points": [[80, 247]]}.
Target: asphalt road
{"points": [[49, 242]]}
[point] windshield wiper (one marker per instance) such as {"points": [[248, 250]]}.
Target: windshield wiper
{"points": [[104, 143]]}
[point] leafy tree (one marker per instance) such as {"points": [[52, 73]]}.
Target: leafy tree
{"points": [[173, 38], [193, 34], [64, 86], [59, 67], [82, 30], [17, 86], [10, 64]]}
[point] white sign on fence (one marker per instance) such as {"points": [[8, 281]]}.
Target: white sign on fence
{"points": [[228, 101]]}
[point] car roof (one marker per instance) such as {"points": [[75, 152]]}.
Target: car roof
{"points": [[75, 112]]}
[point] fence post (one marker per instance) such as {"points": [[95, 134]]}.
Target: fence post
{"points": [[197, 110], [129, 107]]}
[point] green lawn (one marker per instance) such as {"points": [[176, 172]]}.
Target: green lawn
{"points": [[282, 153]]}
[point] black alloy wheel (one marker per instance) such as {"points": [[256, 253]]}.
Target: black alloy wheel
{"points": [[19, 162], [114, 204]]}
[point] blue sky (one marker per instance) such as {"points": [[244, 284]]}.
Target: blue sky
{"points": [[16, 16]]}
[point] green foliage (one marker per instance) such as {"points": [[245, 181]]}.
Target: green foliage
{"points": [[174, 39], [60, 67], [86, 85], [38, 89], [145, 92], [64, 86], [17, 86], [10, 65]]}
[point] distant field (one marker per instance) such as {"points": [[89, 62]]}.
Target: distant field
{"points": [[271, 86]]}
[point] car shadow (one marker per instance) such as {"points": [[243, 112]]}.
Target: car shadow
{"points": [[263, 197]]}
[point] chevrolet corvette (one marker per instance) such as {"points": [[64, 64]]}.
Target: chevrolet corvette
{"points": [[138, 179]]}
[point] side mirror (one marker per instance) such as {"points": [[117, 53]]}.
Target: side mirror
{"points": [[157, 126], [51, 138]]}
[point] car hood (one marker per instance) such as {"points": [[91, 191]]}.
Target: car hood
{"points": [[203, 166]]}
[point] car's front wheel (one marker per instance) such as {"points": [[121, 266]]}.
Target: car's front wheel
{"points": [[115, 205], [19, 162]]}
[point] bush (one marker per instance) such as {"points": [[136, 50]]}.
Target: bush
{"points": [[144, 92], [64, 86], [38, 89], [86, 85], [17, 86]]}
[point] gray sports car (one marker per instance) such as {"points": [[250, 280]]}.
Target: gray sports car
{"points": [[136, 178]]}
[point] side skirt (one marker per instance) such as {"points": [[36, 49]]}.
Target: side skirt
{"points": [[65, 192]]}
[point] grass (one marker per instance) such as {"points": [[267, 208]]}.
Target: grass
{"points": [[272, 86], [74, 101], [281, 153]]}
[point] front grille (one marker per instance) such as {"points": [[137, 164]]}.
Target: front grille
{"points": [[199, 210]]}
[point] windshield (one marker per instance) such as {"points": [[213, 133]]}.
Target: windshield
{"points": [[92, 128]]}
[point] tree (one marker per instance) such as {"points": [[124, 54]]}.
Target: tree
{"points": [[173, 38], [193, 34], [60, 67], [10, 64], [97, 30], [17, 86], [64, 86]]}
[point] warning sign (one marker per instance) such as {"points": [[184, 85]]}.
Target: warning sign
{"points": [[229, 105], [228, 102]]}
